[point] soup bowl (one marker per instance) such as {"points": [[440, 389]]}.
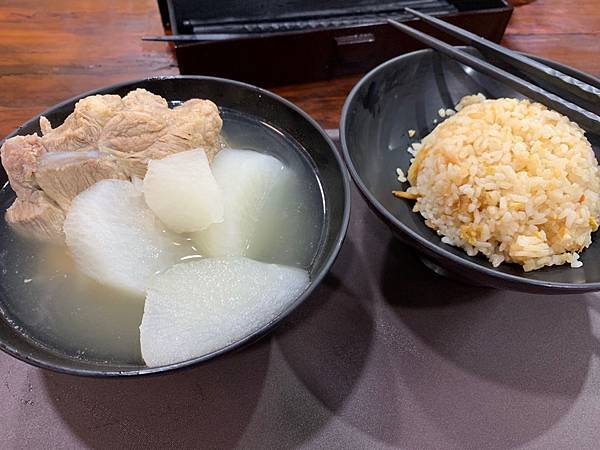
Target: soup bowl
{"points": [[404, 94], [278, 116]]}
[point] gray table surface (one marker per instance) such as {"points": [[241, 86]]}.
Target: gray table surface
{"points": [[386, 354]]}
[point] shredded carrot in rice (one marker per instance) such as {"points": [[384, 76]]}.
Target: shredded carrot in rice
{"points": [[406, 195]]}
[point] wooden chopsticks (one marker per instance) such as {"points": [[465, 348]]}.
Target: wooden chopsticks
{"points": [[586, 119]]}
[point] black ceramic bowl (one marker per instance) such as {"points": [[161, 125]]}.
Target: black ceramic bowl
{"points": [[406, 93], [276, 114]]}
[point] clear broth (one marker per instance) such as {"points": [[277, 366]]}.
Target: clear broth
{"points": [[45, 297]]}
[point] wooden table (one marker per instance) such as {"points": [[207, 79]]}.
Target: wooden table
{"points": [[367, 362], [50, 51]]}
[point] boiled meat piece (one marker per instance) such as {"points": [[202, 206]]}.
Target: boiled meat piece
{"points": [[144, 101], [46, 182], [129, 135], [20, 156], [81, 129], [45, 125], [196, 123], [63, 175], [37, 217], [105, 137], [135, 137]]}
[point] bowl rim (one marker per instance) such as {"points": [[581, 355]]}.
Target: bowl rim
{"points": [[257, 334], [416, 239]]}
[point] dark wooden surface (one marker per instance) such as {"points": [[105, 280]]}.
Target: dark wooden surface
{"points": [[50, 51]]}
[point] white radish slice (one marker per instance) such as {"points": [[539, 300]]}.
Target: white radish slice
{"points": [[181, 190], [115, 239], [247, 180], [198, 307]]}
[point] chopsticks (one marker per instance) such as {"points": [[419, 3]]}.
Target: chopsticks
{"points": [[207, 37], [586, 119], [521, 62]]}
